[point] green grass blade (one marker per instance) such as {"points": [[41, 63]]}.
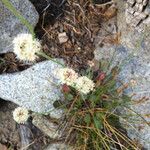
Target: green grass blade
{"points": [[10, 7]]}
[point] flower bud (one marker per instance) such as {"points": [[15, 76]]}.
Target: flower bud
{"points": [[65, 88], [101, 76]]}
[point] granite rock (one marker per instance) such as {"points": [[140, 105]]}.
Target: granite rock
{"points": [[47, 126], [10, 26], [133, 55], [133, 69], [137, 14], [35, 88]]}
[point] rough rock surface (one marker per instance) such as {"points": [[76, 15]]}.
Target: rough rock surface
{"points": [[133, 54], [34, 88], [59, 146], [8, 130], [46, 125], [10, 26], [138, 14]]}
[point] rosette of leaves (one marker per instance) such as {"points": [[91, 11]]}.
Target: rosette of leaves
{"points": [[91, 121]]}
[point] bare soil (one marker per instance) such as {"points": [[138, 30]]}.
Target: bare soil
{"points": [[81, 20]]}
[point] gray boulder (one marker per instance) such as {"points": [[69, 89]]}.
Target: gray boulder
{"points": [[137, 73], [35, 88], [10, 26], [47, 126], [133, 55]]}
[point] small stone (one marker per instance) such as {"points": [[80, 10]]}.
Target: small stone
{"points": [[46, 125], [62, 37]]}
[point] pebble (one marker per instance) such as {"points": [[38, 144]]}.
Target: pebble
{"points": [[48, 127], [62, 37]]}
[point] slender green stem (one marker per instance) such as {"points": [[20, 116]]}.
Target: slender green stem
{"points": [[24, 21], [49, 58]]}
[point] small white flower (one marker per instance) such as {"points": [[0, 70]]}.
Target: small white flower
{"points": [[67, 76], [84, 85], [20, 115], [25, 47]]}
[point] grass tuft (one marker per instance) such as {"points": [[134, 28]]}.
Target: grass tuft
{"points": [[92, 121]]}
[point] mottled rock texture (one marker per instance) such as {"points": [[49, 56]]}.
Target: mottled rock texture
{"points": [[35, 88], [133, 54], [46, 125], [138, 14]]}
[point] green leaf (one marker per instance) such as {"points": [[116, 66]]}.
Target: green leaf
{"points": [[111, 84], [99, 115], [79, 103], [68, 97], [114, 121], [87, 119], [97, 122], [92, 99]]}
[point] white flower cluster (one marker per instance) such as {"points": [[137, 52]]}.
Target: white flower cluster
{"points": [[67, 76], [70, 77], [84, 84], [26, 47], [20, 115]]}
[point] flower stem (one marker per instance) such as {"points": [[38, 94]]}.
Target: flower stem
{"points": [[49, 58]]}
